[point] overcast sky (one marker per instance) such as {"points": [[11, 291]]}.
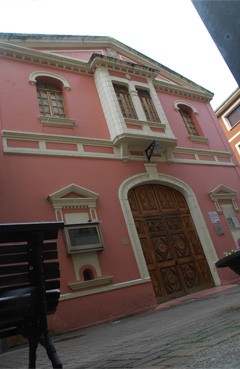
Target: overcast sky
{"points": [[168, 31]]}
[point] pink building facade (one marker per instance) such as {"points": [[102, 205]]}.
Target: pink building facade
{"points": [[129, 154]]}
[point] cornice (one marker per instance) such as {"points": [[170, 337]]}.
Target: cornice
{"points": [[122, 66], [228, 102], [129, 138], [143, 140], [183, 150], [12, 49], [78, 41], [58, 61], [183, 91], [72, 203], [121, 146], [29, 136], [42, 57]]}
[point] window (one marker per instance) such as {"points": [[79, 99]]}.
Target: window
{"points": [[147, 105], [234, 116], [83, 237], [187, 117], [125, 101], [50, 100]]}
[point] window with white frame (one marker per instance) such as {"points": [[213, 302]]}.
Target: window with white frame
{"points": [[231, 117], [147, 105], [82, 228], [125, 101], [50, 100], [234, 116], [187, 117], [83, 237], [50, 89]]}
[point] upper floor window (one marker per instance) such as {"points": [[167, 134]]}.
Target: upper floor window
{"points": [[125, 101], [187, 116], [234, 117], [50, 89], [50, 100], [147, 105]]}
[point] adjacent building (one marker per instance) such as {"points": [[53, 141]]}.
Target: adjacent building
{"points": [[130, 155], [228, 114]]}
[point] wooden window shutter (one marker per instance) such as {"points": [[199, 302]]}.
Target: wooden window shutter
{"points": [[50, 100], [148, 106], [189, 123], [125, 101]]}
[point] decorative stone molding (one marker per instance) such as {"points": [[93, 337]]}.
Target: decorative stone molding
{"points": [[182, 102], [198, 139], [28, 143], [33, 78], [153, 176], [97, 282], [223, 193], [112, 53], [52, 121], [182, 91], [183, 87], [86, 198]]}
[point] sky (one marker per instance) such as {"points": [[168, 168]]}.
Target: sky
{"points": [[168, 31]]}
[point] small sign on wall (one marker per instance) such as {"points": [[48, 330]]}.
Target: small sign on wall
{"points": [[214, 217], [233, 222], [219, 229], [216, 222]]}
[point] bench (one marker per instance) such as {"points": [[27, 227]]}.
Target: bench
{"points": [[29, 284]]}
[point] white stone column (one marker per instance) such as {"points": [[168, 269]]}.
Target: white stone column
{"points": [[159, 109], [136, 101], [138, 106], [111, 108]]}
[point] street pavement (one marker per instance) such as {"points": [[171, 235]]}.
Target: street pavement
{"points": [[199, 331]]}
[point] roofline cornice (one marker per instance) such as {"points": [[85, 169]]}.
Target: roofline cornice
{"points": [[53, 60], [25, 54], [122, 66], [76, 41], [183, 91], [42, 57], [226, 104]]}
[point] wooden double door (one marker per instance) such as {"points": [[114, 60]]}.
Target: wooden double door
{"points": [[170, 243]]}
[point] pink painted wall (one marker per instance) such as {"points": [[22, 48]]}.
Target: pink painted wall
{"points": [[19, 105], [36, 179], [206, 118], [103, 307]]}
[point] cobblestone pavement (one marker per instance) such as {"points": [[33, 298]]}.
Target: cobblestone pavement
{"points": [[202, 332]]}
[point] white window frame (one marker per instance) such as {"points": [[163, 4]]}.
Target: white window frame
{"points": [[238, 147], [229, 111], [132, 88], [83, 247], [47, 120]]}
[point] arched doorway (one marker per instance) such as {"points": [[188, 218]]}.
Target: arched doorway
{"points": [[171, 246]]}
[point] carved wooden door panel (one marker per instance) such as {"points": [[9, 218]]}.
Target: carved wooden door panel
{"points": [[170, 243]]}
